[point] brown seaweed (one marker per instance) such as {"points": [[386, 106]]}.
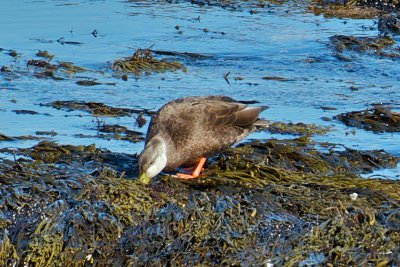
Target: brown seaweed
{"points": [[296, 128], [96, 108], [360, 44], [378, 119], [143, 61], [118, 132], [356, 9], [281, 202]]}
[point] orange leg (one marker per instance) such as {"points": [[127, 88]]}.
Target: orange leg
{"points": [[196, 171]]}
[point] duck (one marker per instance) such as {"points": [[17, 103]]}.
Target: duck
{"points": [[185, 131]]}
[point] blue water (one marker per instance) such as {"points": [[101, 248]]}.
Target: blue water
{"points": [[271, 42]]}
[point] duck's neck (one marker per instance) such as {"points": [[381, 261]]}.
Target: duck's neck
{"points": [[159, 147], [159, 142]]}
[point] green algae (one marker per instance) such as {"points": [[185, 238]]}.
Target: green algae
{"points": [[281, 201], [142, 61]]}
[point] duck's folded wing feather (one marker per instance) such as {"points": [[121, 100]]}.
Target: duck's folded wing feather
{"points": [[218, 113]]}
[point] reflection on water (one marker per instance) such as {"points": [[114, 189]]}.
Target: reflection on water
{"points": [[272, 42]]}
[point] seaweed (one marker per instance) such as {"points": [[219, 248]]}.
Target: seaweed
{"points": [[377, 119], [355, 9], [28, 112], [70, 67], [8, 253], [51, 133], [118, 132], [381, 46], [253, 6], [280, 202], [361, 44], [96, 108], [389, 24], [143, 61], [4, 137], [275, 78], [296, 128], [43, 68], [45, 54], [39, 63], [181, 54], [140, 120]]}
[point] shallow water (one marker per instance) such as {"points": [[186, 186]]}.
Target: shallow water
{"points": [[273, 42]]}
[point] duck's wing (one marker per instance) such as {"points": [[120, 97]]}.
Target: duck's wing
{"points": [[220, 123], [218, 120], [178, 110], [234, 114]]}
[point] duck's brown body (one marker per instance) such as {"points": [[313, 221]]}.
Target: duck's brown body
{"points": [[195, 127]]}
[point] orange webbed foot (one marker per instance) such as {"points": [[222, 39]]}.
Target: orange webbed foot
{"points": [[196, 171]]}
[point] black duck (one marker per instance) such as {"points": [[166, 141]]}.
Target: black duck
{"points": [[186, 130]]}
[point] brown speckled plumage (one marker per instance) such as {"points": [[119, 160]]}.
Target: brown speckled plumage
{"points": [[194, 127]]}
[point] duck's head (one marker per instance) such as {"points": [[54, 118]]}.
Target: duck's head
{"points": [[153, 159]]}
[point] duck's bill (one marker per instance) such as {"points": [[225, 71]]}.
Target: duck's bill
{"points": [[144, 179]]}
